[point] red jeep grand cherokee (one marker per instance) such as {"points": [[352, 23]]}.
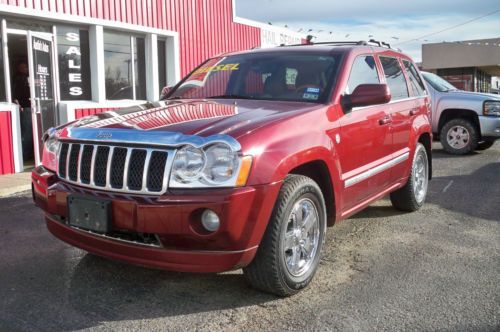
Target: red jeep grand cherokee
{"points": [[244, 163]]}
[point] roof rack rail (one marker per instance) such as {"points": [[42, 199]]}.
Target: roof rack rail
{"points": [[348, 42]]}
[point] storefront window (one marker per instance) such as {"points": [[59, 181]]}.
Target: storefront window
{"points": [[162, 65], [74, 63], [122, 66]]}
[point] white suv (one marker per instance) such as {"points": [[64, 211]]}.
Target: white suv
{"points": [[463, 121]]}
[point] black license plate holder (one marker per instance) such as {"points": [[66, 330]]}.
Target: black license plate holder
{"points": [[89, 213]]}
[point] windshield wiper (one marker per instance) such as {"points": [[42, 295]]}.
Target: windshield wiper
{"points": [[229, 96]]}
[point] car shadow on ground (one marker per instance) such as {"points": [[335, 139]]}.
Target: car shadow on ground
{"points": [[138, 292], [440, 153], [476, 194]]}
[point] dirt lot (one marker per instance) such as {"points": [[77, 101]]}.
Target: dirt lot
{"points": [[438, 269]]}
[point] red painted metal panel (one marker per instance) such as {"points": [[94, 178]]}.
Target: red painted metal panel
{"points": [[205, 27], [6, 148]]}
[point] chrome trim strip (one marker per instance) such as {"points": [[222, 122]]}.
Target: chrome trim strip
{"points": [[375, 170], [92, 169], [145, 170], [78, 170], [70, 147], [125, 169], [108, 167], [143, 137]]}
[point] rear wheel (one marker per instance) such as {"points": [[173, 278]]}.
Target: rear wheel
{"points": [[289, 253], [411, 197], [459, 136]]}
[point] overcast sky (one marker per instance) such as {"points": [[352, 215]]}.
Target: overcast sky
{"points": [[388, 20]]}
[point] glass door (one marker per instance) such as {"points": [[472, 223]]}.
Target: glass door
{"points": [[42, 83]]}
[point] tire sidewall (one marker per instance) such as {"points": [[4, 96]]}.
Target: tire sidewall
{"points": [[420, 149], [314, 194], [473, 137]]}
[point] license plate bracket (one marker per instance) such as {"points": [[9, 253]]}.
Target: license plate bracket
{"points": [[89, 213]]}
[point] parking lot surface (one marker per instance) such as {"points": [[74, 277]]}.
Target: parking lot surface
{"points": [[436, 269]]}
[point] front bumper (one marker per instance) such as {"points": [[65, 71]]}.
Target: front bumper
{"points": [[490, 126], [172, 218]]}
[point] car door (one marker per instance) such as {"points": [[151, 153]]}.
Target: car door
{"points": [[365, 139], [402, 110]]}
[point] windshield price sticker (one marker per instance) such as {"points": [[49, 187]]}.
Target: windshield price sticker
{"points": [[223, 67]]}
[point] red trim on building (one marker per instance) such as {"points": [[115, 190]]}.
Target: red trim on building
{"points": [[82, 112], [6, 148]]}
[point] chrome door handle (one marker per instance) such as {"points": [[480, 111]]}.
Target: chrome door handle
{"points": [[385, 120]]}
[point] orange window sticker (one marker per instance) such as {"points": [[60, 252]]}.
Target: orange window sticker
{"points": [[223, 67]]}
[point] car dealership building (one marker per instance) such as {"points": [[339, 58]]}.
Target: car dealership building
{"points": [[68, 59], [469, 65]]}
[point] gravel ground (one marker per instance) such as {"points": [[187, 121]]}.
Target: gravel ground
{"points": [[437, 269]]}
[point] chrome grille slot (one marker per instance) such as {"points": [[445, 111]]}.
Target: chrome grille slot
{"points": [[115, 168]]}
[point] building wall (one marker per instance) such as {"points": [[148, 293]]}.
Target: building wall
{"points": [[205, 27], [480, 53]]}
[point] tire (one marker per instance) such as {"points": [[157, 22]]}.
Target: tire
{"points": [[459, 136], [272, 270], [411, 197], [484, 145]]}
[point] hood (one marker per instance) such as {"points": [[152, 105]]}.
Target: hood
{"points": [[196, 117], [471, 95]]}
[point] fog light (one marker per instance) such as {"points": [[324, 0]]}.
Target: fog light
{"points": [[210, 220]]}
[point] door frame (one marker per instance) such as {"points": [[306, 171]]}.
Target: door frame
{"points": [[55, 79], [49, 37]]}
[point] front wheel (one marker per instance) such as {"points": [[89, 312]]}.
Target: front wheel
{"points": [[459, 136], [411, 197], [289, 253]]}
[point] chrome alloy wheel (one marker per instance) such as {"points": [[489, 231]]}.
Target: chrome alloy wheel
{"points": [[420, 177], [301, 240], [458, 137]]}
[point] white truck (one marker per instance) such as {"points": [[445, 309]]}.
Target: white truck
{"points": [[463, 121]]}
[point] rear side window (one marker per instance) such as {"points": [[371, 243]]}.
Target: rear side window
{"points": [[363, 71], [415, 81], [395, 78]]}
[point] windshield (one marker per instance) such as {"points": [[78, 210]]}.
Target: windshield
{"points": [[289, 77], [438, 83]]}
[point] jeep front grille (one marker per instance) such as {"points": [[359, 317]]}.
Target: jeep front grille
{"points": [[114, 168]]}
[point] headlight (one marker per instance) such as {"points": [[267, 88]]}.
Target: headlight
{"points": [[215, 165], [491, 108], [52, 144], [51, 149], [188, 164]]}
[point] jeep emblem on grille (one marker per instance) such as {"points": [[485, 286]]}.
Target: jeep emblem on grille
{"points": [[104, 134]]}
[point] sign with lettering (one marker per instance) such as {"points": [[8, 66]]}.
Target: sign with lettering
{"points": [[43, 69], [74, 63], [272, 38]]}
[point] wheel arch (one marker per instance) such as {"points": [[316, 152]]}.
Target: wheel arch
{"points": [[318, 171], [458, 113], [426, 140]]}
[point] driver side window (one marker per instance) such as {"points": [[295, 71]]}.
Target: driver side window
{"points": [[363, 71]]}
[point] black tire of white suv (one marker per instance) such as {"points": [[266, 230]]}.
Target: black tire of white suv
{"points": [[459, 136], [412, 196], [484, 145], [287, 236]]}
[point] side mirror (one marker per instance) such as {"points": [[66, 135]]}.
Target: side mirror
{"points": [[366, 95], [165, 91]]}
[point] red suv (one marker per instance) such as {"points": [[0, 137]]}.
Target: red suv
{"points": [[244, 163]]}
